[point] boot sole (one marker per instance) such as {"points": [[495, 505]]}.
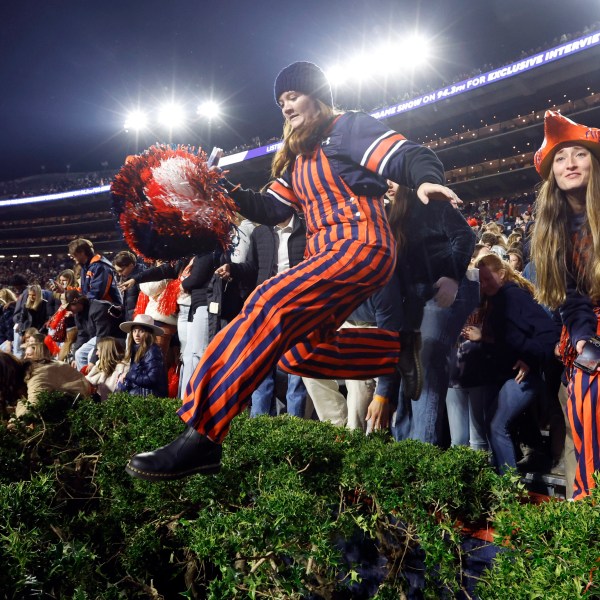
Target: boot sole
{"points": [[148, 476]]}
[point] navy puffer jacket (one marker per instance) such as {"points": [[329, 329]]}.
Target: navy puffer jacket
{"points": [[148, 376]]}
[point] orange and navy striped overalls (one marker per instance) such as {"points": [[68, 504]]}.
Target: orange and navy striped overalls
{"points": [[295, 315], [583, 389]]}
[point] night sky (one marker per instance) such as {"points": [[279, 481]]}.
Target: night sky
{"points": [[71, 69]]}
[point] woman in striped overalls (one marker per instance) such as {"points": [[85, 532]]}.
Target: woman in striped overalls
{"points": [[565, 248], [333, 168]]}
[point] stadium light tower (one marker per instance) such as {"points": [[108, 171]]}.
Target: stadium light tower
{"points": [[171, 116], [209, 110], [337, 75], [418, 48], [136, 120]]}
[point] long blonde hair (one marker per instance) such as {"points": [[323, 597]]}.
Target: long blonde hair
{"points": [[302, 140], [7, 297], [37, 290], [552, 246], [110, 354]]}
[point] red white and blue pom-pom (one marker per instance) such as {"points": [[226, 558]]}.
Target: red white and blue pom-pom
{"points": [[170, 205]]}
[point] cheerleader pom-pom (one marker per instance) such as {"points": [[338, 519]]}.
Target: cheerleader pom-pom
{"points": [[170, 204]]}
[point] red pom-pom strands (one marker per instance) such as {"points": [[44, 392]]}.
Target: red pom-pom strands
{"points": [[170, 204]]}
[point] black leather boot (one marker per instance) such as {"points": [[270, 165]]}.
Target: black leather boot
{"points": [[190, 453], [409, 364]]}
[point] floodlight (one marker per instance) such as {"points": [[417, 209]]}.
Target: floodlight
{"points": [[361, 67], [136, 120], [337, 75], [171, 115], [418, 48], [209, 109]]}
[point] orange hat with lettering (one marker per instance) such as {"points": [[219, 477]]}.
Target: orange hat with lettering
{"points": [[557, 131]]}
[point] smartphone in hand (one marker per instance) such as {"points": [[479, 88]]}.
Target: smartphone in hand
{"points": [[589, 359]]}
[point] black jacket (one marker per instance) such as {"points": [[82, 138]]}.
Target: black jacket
{"points": [[261, 262], [439, 242], [130, 296], [95, 321], [169, 270], [521, 329], [197, 281], [148, 376], [37, 318], [6, 323], [19, 308]]}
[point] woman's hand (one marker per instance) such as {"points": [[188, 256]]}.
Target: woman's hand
{"points": [[224, 272], [447, 288], [378, 413], [523, 370], [472, 333], [436, 191]]}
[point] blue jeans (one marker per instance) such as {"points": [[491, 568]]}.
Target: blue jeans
{"points": [[263, 397], [195, 346], [440, 327], [16, 345], [512, 399], [83, 353], [466, 415]]}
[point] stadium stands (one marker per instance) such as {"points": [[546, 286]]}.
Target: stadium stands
{"points": [[485, 134]]}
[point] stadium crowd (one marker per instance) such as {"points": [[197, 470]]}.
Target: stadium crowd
{"points": [[479, 356], [52, 316]]}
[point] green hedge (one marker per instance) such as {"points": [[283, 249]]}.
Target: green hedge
{"points": [[270, 525]]}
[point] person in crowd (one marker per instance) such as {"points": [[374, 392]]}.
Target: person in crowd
{"points": [[175, 300], [436, 245], [469, 392], [110, 367], [515, 238], [162, 307], [57, 287], [12, 383], [94, 319], [8, 301], [272, 250], [196, 285], [19, 284], [494, 243], [126, 266], [98, 280], [565, 249], [333, 167], [35, 311], [468, 389], [46, 375], [515, 259], [62, 331], [36, 350], [31, 334], [146, 375], [528, 223], [518, 336]]}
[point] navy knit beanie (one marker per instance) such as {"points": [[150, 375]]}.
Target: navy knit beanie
{"points": [[304, 77]]}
